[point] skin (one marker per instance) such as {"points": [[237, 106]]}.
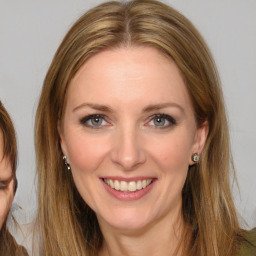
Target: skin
{"points": [[6, 184], [132, 84]]}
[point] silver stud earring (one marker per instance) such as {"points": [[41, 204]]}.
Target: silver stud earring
{"points": [[195, 157], [66, 163]]}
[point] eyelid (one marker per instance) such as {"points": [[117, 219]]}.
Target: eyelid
{"points": [[91, 116]]}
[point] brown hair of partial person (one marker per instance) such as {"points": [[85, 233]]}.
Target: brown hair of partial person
{"points": [[8, 245], [68, 226], [9, 138]]}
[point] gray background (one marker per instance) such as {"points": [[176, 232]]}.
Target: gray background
{"points": [[30, 32]]}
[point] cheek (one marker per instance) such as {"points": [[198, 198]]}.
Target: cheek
{"points": [[6, 198], [85, 153], [172, 153]]}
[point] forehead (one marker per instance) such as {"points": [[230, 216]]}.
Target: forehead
{"points": [[124, 74]]}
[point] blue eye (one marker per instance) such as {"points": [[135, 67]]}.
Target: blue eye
{"points": [[159, 121], [94, 121], [162, 121]]}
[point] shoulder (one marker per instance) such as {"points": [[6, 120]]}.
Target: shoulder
{"points": [[248, 246]]}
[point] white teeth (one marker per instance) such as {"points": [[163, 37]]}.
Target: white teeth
{"points": [[139, 185], [111, 183], [132, 186], [125, 186], [116, 185]]}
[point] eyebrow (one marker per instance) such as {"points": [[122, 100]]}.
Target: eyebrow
{"points": [[149, 108], [160, 106], [94, 106]]}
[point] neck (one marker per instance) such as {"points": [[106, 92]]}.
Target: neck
{"points": [[157, 239]]}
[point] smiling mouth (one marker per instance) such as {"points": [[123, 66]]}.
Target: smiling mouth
{"points": [[131, 186]]}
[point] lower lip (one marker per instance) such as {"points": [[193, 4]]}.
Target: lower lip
{"points": [[128, 196]]}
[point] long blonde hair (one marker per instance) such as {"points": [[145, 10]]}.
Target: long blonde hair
{"points": [[68, 226]]}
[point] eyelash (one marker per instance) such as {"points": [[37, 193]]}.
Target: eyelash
{"points": [[84, 121]]}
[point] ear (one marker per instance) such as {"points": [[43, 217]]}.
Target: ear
{"points": [[61, 137], [199, 140]]}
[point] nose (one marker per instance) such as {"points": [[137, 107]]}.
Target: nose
{"points": [[128, 151]]}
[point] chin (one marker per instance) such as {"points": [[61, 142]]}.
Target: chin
{"points": [[126, 220]]}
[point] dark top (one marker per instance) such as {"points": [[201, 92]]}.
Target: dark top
{"points": [[248, 246]]}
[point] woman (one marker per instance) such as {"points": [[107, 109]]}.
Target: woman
{"points": [[8, 182], [132, 143]]}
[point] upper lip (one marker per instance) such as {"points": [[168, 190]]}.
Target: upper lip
{"points": [[128, 179]]}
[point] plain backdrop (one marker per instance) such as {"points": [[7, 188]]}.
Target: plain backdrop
{"points": [[30, 32]]}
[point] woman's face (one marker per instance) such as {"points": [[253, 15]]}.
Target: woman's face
{"points": [[6, 184], [128, 132]]}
